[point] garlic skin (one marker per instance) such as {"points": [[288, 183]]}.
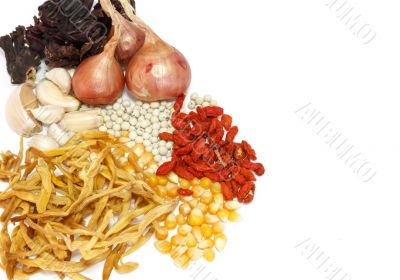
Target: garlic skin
{"points": [[82, 120], [60, 135], [49, 93], [21, 100], [48, 114], [61, 78], [43, 143]]}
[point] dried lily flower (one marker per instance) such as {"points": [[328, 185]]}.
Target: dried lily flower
{"points": [[76, 200]]}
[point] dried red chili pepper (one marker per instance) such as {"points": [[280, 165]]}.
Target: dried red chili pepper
{"points": [[166, 167], [213, 111], [213, 125], [179, 103], [183, 172], [181, 140], [213, 176], [201, 148], [235, 188], [166, 136], [201, 113], [227, 191], [196, 173], [246, 192], [184, 150], [247, 174], [226, 121], [185, 192], [249, 150], [230, 136], [202, 167]]}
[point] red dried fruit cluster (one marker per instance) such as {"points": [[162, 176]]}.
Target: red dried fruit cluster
{"points": [[204, 147]]}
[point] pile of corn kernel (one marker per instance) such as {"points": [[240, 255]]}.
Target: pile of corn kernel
{"points": [[198, 227]]}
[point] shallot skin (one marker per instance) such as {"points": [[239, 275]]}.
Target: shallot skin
{"points": [[99, 80], [154, 75], [131, 40]]}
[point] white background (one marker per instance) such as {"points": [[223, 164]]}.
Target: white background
{"points": [[263, 60]]}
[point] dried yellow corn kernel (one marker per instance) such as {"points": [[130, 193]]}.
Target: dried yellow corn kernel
{"points": [[178, 251], [203, 207], [220, 241], [205, 244], [125, 133], [184, 209], [219, 198], [195, 254], [184, 184], [184, 229], [234, 216], [161, 191], [205, 182], [164, 247], [206, 197], [173, 178], [193, 203], [197, 191], [180, 219], [223, 215], [170, 221], [211, 219], [213, 207], [196, 217], [161, 233], [191, 240], [232, 205], [195, 182], [196, 231], [218, 228], [216, 188], [178, 240], [172, 189], [152, 180], [209, 255], [206, 231], [138, 149], [182, 261], [163, 181]]}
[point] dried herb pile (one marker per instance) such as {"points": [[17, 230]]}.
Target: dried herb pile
{"points": [[64, 33], [76, 201]]}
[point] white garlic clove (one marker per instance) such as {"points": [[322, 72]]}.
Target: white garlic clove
{"points": [[82, 120], [49, 94], [61, 78], [43, 143], [18, 117], [48, 114], [59, 134]]}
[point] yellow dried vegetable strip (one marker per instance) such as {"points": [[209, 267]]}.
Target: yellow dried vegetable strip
{"points": [[47, 186]]}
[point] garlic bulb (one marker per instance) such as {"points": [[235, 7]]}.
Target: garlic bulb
{"points": [[21, 100], [60, 135], [48, 114], [43, 143], [61, 78], [82, 120], [49, 94]]}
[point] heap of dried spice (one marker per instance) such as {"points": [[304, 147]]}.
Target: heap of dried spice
{"points": [[205, 147], [21, 60], [64, 33]]}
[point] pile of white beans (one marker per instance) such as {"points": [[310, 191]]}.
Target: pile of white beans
{"points": [[141, 122]]}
